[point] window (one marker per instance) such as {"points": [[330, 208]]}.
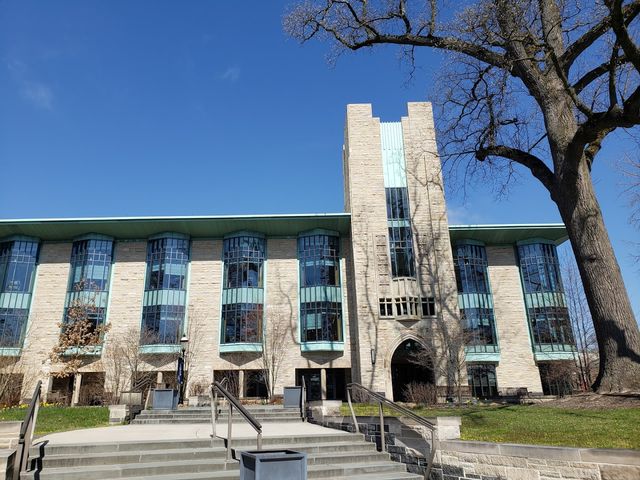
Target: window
{"points": [[244, 262], [397, 203], [386, 307], [479, 328], [428, 306], [17, 266], [17, 273], [242, 316], [242, 323], [540, 268], [90, 265], [13, 322], [401, 249], [161, 324], [482, 380], [400, 236], [321, 322], [167, 260], [163, 313], [551, 328], [470, 263], [319, 260]]}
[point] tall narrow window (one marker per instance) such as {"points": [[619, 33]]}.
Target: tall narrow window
{"points": [[474, 298], [89, 278], [320, 291], [17, 274], [165, 290], [243, 289], [482, 380], [544, 297], [400, 235]]}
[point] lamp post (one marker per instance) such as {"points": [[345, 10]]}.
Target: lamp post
{"points": [[180, 373]]}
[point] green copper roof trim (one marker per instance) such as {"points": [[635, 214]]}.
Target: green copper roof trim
{"points": [[319, 231], [482, 357], [554, 356], [240, 347], [10, 351], [135, 228], [509, 234], [322, 347], [154, 349]]}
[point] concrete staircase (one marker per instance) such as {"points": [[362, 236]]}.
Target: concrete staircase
{"points": [[338, 455], [263, 413]]}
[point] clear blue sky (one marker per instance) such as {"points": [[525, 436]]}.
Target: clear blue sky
{"points": [[205, 107]]}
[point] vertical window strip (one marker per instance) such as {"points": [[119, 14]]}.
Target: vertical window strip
{"points": [[241, 320], [165, 286], [400, 233], [18, 260]]}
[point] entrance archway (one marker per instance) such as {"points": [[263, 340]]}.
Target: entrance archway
{"points": [[405, 371]]}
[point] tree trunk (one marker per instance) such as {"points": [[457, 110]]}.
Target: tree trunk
{"points": [[613, 320]]}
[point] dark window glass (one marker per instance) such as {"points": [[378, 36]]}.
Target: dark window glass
{"points": [[167, 260], [428, 307], [161, 324], [13, 322], [401, 249], [482, 380], [555, 380], [551, 328], [479, 327], [321, 322], [397, 203], [17, 266], [540, 268], [386, 307], [470, 262], [242, 323], [312, 382], [244, 262], [319, 260], [255, 384], [90, 265], [94, 315]]}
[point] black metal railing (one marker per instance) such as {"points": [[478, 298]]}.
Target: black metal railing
{"points": [[382, 400], [303, 400], [28, 428], [233, 402]]}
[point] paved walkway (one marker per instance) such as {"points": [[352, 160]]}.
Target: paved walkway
{"points": [[130, 433]]}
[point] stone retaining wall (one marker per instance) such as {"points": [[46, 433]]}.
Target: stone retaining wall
{"points": [[468, 460]]}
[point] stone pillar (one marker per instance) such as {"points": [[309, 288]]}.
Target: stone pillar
{"points": [[323, 383], [77, 382], [159, 382], [240, 383]]}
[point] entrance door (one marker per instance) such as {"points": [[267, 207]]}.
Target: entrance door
{"points": [[404, 370]]}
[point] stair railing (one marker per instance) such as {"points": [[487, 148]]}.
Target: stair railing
{"points": [[382, 400], [28, 428], [214, 408], [233, 402]]}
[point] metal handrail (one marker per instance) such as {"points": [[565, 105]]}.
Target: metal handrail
{"points": [[28, 428], [235, 403], [382, 400]]}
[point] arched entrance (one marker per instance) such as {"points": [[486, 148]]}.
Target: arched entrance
{"points": [[404, 370]]}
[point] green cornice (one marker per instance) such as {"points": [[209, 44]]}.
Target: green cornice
{"points": [[509, 234]]}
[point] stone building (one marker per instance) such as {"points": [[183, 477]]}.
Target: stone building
{"points": [[353, 296]]}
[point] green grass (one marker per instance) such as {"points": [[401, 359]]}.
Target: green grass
{"points": [[533, 424], [59, 419]]}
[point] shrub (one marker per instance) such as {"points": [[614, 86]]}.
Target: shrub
{"points": [[425, 393]]}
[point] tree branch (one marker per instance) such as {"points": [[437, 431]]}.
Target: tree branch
{"points": [[619, 25], [538, 168]]}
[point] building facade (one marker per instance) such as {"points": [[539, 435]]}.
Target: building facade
{"points": [[355, 296]]}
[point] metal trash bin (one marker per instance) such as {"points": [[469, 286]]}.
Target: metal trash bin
{"points": [[165, 399], [273, 464], [292, 397]]}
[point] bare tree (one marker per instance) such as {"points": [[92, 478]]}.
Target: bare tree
{"points": [[537, 84], [581, 324], [80, 332], [274, 346], [444, 352], [631, 171]]}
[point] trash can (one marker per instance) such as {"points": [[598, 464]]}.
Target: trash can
{"points": [[292, 397], [165, 399], [273, 464]]}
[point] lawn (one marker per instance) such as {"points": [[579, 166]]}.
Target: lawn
{"points": [[58, 419], [534, 424]]}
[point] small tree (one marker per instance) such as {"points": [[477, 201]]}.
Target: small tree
{"points": [[80, 332], [274, 346]]}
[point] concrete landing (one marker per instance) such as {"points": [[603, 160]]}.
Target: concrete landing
{"points": [[130, 433]]}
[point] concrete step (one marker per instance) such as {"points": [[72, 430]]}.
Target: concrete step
{"points": [[245, 443], [231, 475], [211, 469], [172, 421]]}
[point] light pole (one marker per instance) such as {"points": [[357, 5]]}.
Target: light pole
{"points": [[180, 373]]}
